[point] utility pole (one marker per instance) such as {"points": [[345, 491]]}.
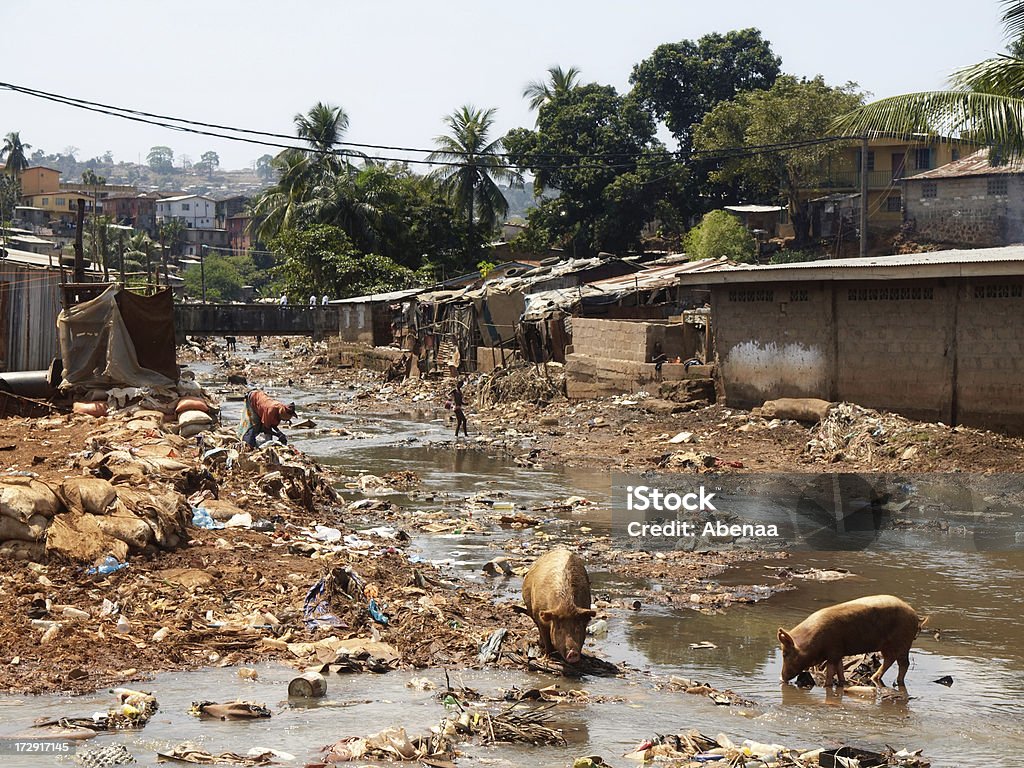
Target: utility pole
{"points": [[79, 255], [864, 196], [120, 251], [202, 269]]}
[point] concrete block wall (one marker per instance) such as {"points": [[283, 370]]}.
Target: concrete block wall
{"points": [[990, 354], [634, 340], [588, 376], [773, 340], [489, 358], [356, 323], [963, 213], [895, 346]]}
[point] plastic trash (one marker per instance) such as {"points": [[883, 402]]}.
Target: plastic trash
{"points": [[316, 610], [109, 565], [326, 534], [376, 613], [201, 518], [492, 646]]}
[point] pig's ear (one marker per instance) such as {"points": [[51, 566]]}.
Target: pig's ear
{"points": [[785, 639], [547, 616], [586, 613]]}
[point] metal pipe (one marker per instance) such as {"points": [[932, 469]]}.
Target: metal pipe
{"points": [[27, 383]]}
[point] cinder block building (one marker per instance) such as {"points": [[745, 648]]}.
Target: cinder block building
{"points": [[935, 336]]}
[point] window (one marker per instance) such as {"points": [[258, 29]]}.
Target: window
{"points": [[954, 154], [46, 201], [871, 160], [751, 295], [60, 202], [894, 204], [923, 158], [997, 185], [929, 189], [184, 206], [889, 294], [1012, 291], [799, 294]]}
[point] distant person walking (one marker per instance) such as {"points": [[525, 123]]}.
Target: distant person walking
{"points": [[263, 415], [458, 403]]}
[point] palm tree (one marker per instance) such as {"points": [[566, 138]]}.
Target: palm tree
{"points": [[15, 151], [560, 81], [474, 166], [985, 102]]}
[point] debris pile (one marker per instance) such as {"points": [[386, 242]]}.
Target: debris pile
{"points": [[852, 433], [526, 382]]}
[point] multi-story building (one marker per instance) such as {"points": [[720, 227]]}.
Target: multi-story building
{"points": [[194, 211]]}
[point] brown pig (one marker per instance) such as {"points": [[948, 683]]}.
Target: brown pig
{"points": [[876, 623], [556, 591]]}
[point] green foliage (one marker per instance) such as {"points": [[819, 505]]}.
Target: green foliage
{"points": [[161, 159], [720, 234], [224, 280], [472, 183], [621, 173], [10, 196], [559, 82], [485, 267], [681, 82], [792, 256], [792, 110], [322, 259], [14, 150]]}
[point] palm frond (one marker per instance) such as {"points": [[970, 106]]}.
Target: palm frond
{"points": [[1013, 18], [1002, 75]]}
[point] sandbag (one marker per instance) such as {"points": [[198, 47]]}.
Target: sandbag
{"points": [[194, 417], [805, 409], [32, 529], [191, 430], [141, 425], [93, 408], [191, 404], [149, 415], [166, 514], [133, 531], [22, 550], [22, 497], [92, 495], [79, 538], [222, 510]]}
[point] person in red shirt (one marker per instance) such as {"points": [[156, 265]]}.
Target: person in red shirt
{"points": [[263, 415]]}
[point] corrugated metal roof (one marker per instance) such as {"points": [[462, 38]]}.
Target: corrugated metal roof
{"points": [[657, 277], [378, 297], [976, 164], [1004, 261], [753, 208]]}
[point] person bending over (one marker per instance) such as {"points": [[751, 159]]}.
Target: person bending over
{"points": [[263, 415]]}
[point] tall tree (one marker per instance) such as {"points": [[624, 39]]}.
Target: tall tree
{"points": [[475, 166], [790, 111], [681, 82], [985, 101], [264, 167], [14, 149], [161, 159], [599, 150], [559, 82]]}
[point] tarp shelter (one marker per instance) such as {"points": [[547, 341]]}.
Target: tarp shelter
{"points": [[119, 339]]}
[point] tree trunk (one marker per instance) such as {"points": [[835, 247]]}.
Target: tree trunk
{"points": [[103, 247]]}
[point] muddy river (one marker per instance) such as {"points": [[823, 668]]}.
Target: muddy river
{"points": [[976, 599]]}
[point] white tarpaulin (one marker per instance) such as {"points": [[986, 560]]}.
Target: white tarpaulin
{"points": [[97, 350]]}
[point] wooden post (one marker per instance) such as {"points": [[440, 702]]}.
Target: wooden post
{"points": [[864, 197], [120, 251], [79, 255]]}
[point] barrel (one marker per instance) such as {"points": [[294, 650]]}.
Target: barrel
{"points": [[310, 685]]}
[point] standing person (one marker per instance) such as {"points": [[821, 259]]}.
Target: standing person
{"points": [[312, 301], [458, 401], [323, 301], [283, 301], [262, 415]]}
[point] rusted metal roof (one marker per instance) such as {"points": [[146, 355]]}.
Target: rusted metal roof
{"points": [[1007, 261], [976, 164]]}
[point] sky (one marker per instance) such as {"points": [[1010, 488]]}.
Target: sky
{"points": [[397, 67]]}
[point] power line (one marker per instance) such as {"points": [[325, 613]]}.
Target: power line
{"points": [[547, 160]]}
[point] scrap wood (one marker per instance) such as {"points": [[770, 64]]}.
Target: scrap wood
{"points": [[515, 725], [589, 665]]}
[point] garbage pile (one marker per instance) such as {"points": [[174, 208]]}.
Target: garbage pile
{"points": [[524, 382], [852, 433], [697, 749]]}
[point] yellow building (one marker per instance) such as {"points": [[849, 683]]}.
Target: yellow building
{"points": [[61, 205], [890, 160]]}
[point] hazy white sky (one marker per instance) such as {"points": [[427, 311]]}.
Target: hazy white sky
{"points": [[397, 66]]}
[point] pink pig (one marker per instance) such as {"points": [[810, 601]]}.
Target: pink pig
{"points": [[556, 591], [877, 623]]}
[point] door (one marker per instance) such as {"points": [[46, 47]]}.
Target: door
{"points": [[899, 162]]}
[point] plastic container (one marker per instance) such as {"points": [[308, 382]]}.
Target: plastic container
{"points": [[311, 685]]}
